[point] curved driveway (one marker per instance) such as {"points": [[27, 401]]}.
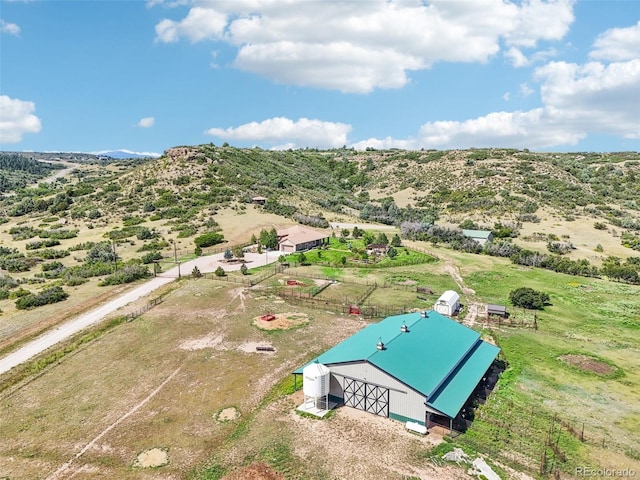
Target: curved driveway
{"points": [[205, 264]]}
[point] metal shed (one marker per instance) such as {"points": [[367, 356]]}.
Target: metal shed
{"points": [[498, 310], [408, 367]]}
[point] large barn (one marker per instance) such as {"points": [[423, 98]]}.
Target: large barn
{"points": [[416, 367]]}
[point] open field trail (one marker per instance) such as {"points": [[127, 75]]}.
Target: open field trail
{"points": [[47, 340], [55, 475]]}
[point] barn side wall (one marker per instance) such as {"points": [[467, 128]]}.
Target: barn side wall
{"points": [[405, 404]]}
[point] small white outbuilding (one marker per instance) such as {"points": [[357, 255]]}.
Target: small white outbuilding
{"points": [[448, 303]]}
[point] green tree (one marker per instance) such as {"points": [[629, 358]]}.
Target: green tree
{"points": [[395, 241], [343, 260], [238, 252], [392, 253], [357, 232], [528, 298], [382, 239], [368, 237], [269, 239], [101, 252], [219, 272], [244, 270], [195, 273]]}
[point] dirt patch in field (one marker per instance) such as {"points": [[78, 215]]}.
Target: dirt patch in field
{"points": [[228, 414], [255, 471], [208, 341], [281, 321], [255, 347], [589, 364], [153, 458]]}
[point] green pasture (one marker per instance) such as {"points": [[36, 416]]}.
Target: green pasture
{"points": [[587, 316]]}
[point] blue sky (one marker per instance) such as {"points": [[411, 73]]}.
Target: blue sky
{"points": [[144, 76]]}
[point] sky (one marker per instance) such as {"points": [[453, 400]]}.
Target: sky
{"points": [[145, 76]]}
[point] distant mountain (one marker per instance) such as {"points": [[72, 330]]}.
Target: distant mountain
{"points": [[120, 154]]}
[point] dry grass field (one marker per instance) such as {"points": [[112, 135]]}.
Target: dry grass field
{"points": [[157, 382]]}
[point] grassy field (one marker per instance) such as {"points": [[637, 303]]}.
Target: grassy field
{"points": [[592, 318]]}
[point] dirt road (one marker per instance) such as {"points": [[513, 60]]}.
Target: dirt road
{"points": [[205, 264]]}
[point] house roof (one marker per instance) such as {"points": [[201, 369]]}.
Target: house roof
{"points": [[437, 357], [477, 233], [299, 234]]}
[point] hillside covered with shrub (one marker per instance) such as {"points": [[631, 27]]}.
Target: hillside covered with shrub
{"points": [[122, 215]]}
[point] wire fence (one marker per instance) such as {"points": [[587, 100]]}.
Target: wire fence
{"points": [[145, 308]]}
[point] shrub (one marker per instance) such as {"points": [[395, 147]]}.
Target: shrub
{"points": [[244, 270], [151, 257], [195, 273], [220, 272], [50, 295], [208, 239], [600, 226], [128, 274], [560, 247], [102, 252]]}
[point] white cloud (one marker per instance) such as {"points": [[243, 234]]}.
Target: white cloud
{"points": [[199, 24], [525, 90], [617, 44], [301, 133], [578, 100], [358, 47], [516, 57], [519, 59], [16, 119], [540, 20], [146, 122], [9, 28], [595, 97]]}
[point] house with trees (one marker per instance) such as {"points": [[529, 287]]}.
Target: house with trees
{"points": [[299, 238]]}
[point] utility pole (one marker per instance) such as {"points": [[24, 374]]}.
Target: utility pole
{"points": [[115, 256]]}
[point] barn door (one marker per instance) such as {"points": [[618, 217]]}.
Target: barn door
{"points": [[367, 397]]}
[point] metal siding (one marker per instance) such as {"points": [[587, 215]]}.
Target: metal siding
{"points": [[403, 401]]}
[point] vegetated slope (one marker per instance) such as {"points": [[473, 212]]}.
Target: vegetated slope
{"points": [[18, 171], [490, 183], [187, 185]]}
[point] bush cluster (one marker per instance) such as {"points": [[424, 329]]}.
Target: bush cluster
{"points": [[50, 295]]}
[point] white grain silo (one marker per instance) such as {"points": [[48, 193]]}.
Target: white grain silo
{"points": [[315, 386]]}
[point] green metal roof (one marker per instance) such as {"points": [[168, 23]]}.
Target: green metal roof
{"points": [[437, 357], [476, 233], [454, 392]]}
